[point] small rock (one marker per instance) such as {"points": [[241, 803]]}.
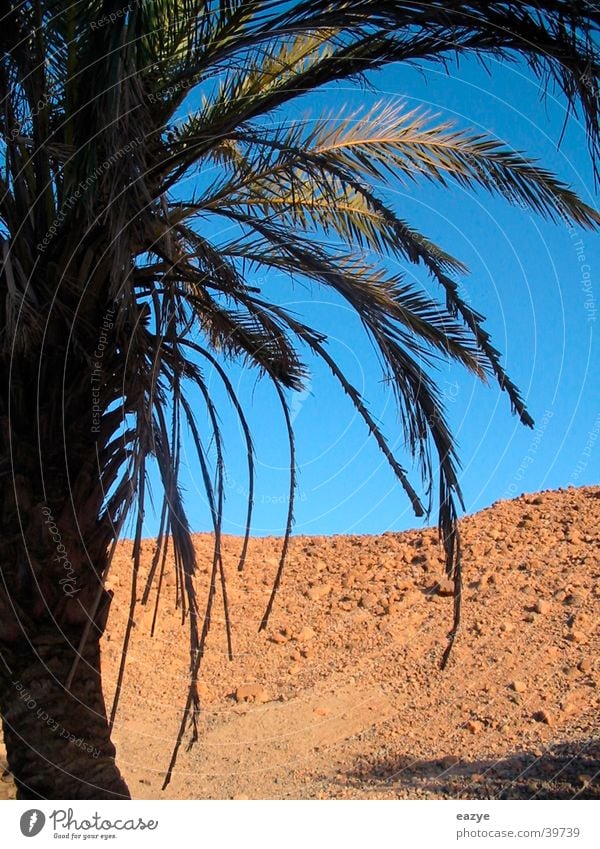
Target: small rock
{"points": [[473, 726], [575, 636], [411, 597], [570, 671], [319, 592], [579, 619], [321, 711], [542, 716], [529, 617], [278, 637], [542, 607], [518, 686], [305, 634], [584, 665], [573, 599], [560, 595], [240, 798], [445, 587], [368, 601], [449, 761], [251, 693]]}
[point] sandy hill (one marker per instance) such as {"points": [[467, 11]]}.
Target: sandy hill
{"points": [[343, 697]]}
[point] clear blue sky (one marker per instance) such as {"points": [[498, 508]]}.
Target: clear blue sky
{"points": [[525, 277]]}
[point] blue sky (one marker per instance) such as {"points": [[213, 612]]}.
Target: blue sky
{"points": [[526, 275]]}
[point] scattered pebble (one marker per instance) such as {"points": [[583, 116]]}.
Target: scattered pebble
{"points": [[445, 587], [305, 634], [318, 592], [251, 693], [575, 636], [542, 716]]}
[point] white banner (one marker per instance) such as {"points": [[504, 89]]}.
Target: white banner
{"points": [[302, 824]]}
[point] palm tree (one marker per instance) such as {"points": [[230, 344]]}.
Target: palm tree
{"points": [[118, 299]]}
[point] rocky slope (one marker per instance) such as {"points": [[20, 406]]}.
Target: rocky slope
{"points": [[342, 695]]}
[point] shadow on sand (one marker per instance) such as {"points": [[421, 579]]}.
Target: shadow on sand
{"points": [[570, 771]]}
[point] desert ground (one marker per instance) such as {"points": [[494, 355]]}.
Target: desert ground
{"points": [[342, 696]]}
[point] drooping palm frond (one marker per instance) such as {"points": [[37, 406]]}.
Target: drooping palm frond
{"points": [[386, 142], [315, 180], [556, 38]]}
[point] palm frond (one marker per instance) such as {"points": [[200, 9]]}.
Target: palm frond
{"points": [[327, 161]]}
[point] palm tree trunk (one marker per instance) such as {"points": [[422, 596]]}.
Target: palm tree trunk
{"points": [[53, 558], [57, 740]]}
